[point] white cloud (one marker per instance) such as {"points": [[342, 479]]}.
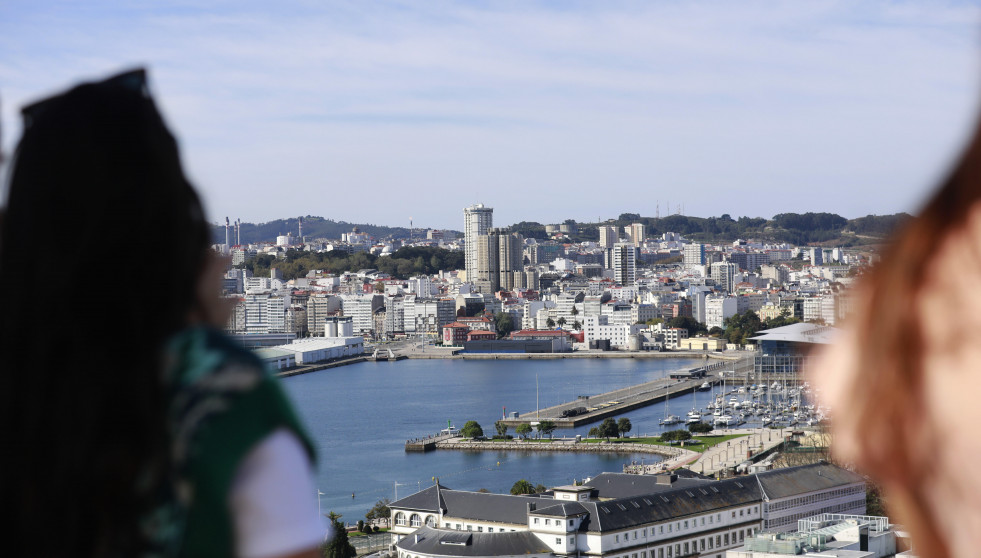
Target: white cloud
{"points": [[374, 111]]}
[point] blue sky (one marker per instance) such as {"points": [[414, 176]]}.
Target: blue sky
{"points": [[378, 111]]}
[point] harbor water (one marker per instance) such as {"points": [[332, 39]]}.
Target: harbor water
{"points": [[360, 416]]}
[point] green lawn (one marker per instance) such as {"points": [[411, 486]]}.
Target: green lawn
{"points": [[698, 443]]}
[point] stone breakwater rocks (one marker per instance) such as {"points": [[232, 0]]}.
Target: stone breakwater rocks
{"points": [[565, 446]]}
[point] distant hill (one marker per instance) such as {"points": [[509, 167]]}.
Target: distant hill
{"points": [[795, 228], [313, 227]]}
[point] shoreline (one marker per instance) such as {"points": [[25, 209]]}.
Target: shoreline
{"points": [[564, 446], [455, 354]]}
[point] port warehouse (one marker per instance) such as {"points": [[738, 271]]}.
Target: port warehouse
{"points": [[310, 350], [617, 515]]}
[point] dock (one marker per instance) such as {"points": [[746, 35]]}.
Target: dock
{"points": [[616, 402], [428, 443]]}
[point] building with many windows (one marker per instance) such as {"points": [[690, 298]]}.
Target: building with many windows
{"points": [[621, 516], [694, 254], [476, 220], [623, 261]]}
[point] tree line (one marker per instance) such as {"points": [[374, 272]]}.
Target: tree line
{"points": [[401, 264]]}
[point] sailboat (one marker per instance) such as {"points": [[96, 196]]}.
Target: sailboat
{"points": [[693, 415], [668, 419]]}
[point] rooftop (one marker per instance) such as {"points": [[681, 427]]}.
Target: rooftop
{"points": [[798, 333]]}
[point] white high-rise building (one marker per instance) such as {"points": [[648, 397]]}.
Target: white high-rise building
{"points": [[694, 254], [624, 256], [724, 275], [476, 220], [637, 234], [607, 236]]}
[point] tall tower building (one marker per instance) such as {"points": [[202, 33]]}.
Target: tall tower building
{"points": [[723, 273], [477, 219], [607, 236], [499, 255], [624, 263], [694, 254], [637, 235]]}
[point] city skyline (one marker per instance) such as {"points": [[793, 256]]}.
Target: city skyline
{"points": [[581, 109]]}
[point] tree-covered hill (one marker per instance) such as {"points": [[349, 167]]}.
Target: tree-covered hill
{"points": [[402, 264], [795, 228], [313, 227]]}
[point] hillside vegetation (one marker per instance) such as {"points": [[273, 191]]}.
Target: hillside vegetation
{"points": [[794, 228]]}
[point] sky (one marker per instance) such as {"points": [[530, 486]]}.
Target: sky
{"points": [[382, 112]]}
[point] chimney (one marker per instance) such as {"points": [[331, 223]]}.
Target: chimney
{"points": [[666, 479]]}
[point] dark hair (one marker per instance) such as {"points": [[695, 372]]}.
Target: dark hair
{"points": [[97, 199]]}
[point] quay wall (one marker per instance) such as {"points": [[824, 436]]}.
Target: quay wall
{"points": [[573, 355], [296, 371], [560, 447]]}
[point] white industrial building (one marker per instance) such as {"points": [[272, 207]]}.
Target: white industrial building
{"points": [[597, 328], [618, 516]]}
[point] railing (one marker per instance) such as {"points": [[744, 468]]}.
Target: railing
{"points": [[370, 543]]}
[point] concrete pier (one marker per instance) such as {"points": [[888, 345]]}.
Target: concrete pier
{"points": [[613, 403]]}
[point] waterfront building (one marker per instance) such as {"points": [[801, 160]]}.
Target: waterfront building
{"points": [[266, 313], [616, 516], [455, 334], [427, 316], [781, 351], [477, 219], [319, 306], [599, 328], [321, 349], [361, 309]]}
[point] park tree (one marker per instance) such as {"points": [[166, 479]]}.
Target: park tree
{"points": [[472, 429], [700, 428], [338, 546], [624, 426], [504, 323], [501, 427], [575, 311], [550, 323], [608, 429], [539, 488], [522, 487], [675, 435], [594, 432], [561, 322], [546, 427], [380, 510], [523, 429], [577, 325]]}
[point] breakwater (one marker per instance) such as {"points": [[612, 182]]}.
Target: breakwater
{"points": [[560, 446]]}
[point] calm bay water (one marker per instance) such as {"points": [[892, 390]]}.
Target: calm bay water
{"points": [[360, 416]]}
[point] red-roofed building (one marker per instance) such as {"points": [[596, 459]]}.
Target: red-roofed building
{"points": [[479, 335], [455, 334], [482, 323]]}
